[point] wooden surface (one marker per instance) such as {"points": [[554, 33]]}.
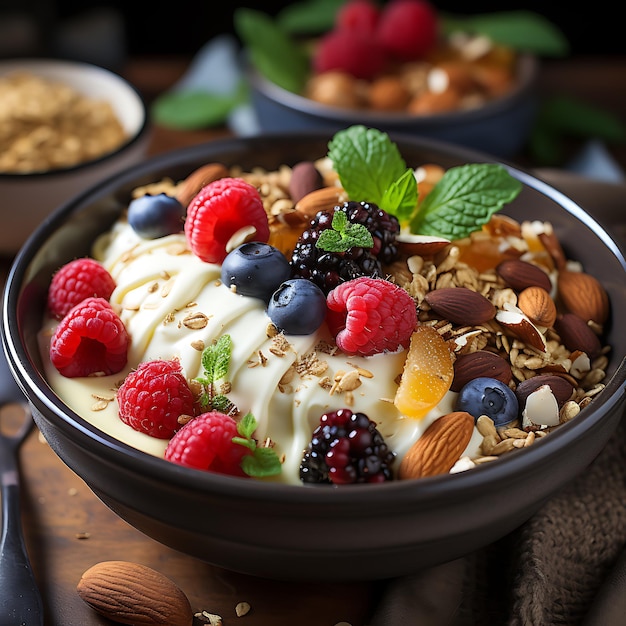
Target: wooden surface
{"points": [[69, 529]]}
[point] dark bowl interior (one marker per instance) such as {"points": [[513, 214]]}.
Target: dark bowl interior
{"points": [[291, 532]]}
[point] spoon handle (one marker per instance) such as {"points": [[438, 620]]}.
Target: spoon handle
{"points": [[20, 600]]}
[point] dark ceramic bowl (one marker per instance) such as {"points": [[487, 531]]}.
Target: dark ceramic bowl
{"points": [[499, 127], [294, 532]]}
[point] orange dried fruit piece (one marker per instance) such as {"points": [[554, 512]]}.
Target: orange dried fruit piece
{"points": [[427, 375]]}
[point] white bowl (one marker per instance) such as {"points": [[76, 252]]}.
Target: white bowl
{"points": [[27, 199]]}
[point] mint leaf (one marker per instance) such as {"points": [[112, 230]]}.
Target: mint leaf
{"points": [[400, 198], [263, 461], [309, 17], [525, 31], [464, 199], [271, 50], [215, 363], [344, 235], [247, 425]]}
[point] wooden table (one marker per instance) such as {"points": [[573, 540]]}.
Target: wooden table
{"points": [[69, 529]]}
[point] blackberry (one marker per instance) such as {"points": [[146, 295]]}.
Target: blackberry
{"points": [[346, 448], [326, 268]]}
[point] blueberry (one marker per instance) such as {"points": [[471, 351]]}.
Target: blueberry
{"points": [[491, 397], [152, 217], [255, 269], [297, 307]]}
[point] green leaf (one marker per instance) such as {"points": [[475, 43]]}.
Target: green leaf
{"points": [[271, 50], [400, 198], [524, 31], [264, 462], [309, 17], [366, 161], [344, 235], [464, 199], [216, 358], [190, 110], [247, 425]]}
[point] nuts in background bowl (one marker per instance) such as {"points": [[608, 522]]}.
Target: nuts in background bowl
{"points": [[64, 126]]}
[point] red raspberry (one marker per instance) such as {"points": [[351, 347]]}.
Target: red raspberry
{"points": [[206, 443], [218, 211], [154, 396], [358, 15], [407, 29], [90, 339], [349, 51], [370, 315], [75, 281]]}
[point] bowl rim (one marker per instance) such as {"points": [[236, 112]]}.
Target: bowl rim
{"points": [[528, 69], [34, 62], [396, 495]]}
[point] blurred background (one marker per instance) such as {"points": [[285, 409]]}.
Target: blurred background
{"points": [[107, 32]]}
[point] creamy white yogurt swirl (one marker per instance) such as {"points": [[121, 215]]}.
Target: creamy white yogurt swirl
{"points": [[173, 304]]}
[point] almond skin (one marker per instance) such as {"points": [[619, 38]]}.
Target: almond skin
{"points": [[305, 178], [480, 364], [131, 593], [521, 274], [561, 388], [461, 305], [439, 448], [576, 334], [584, 295], [538, 306], [322, 199], [198, 179]]}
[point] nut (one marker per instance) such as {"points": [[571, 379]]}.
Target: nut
{"points": [[388, 93], [480, 364], [199, 178], [583, 294], [422, 245], [461, 305], [520, 274], [576, 334], [518, 325], [131, 593], [305, 178], [439, 448], [538, 306], [322, 199], [561, 388]]}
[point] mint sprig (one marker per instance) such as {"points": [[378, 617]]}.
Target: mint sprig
{"points": [[263, 461], [215, 363], [370, 167], [343, 235]]}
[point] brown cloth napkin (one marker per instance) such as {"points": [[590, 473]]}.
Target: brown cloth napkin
{"points": [[565, 566]]}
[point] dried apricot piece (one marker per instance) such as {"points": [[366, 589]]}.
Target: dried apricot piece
{"points": [[427, 376]]}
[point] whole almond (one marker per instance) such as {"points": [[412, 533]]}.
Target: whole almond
{"points": [[198, 179], [322, 199], [561, 388], [439, 448], [583, 294], [305, 178], [480, 364], [576, 334], [131, 593], [520, 274], [461, 305], [538, 306]]}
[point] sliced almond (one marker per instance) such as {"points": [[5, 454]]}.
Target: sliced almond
{"points": [[517, 324]]}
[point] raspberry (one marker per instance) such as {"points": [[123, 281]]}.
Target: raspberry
{"points": [[219, 211], [407, 29], [75, 281], [358, 15], [90, 339], [154, 396], [346, 448], [206, 443], [349, 51], [370, 315]]}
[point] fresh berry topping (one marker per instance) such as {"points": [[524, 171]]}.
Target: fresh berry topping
{"points": [[297, 307], [216, 442], [407, 29], [156, 216], [491, 397], [346, 448], [370, 315], [349, 51], [75, 281], [351, 257], [222, 212], [90, 339], [358, 15], [255, 269], [153, 397]]}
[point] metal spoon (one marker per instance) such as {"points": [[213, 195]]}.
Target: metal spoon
{"points": [[20, 600]]}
